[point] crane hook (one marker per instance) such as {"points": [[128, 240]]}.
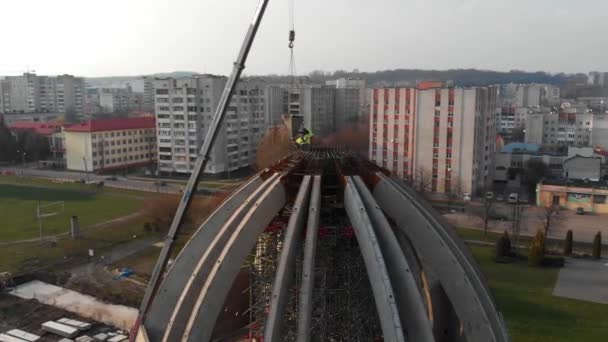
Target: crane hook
{"points": [[292, 38]]}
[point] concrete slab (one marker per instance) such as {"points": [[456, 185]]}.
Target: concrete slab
{"points": [[583, 280]]}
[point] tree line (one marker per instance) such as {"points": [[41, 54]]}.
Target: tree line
{"points": [[22, 146]]}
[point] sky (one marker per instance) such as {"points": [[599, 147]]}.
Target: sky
{"points": [[135, 37]]}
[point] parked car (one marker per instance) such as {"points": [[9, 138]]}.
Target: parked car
{"points": [[111, 178], [513, 198], [489, 195], [500, 198], [467, 197], [580, 211]]}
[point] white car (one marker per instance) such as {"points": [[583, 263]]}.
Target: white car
{"points": [[513, 198], [467, 197]]}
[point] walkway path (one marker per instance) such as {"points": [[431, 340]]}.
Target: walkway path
{"points": [[583, 280]]}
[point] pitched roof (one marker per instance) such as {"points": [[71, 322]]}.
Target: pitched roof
{"points": [[42, 128], [112, 124]]}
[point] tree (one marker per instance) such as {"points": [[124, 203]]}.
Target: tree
{"points": [[275, 145], [488, 204], [534, 172], [597, 246], [537, 251], [422, 181], [549, 216], [568, 243], [35, 147], [454, 193], [517, 212], [7, 144], [503, 246]]}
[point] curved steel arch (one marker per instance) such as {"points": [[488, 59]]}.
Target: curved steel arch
{"points": [[441, 251]]}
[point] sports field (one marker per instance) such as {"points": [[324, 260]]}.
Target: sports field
{"points": [[18, 203]]}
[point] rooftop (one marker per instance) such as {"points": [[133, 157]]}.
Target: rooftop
{"points": [[112, 124], [42, 128]]}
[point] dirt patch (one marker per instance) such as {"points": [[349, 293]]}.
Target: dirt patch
{"points": [[99, 282]]}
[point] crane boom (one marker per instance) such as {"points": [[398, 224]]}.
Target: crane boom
{"points": [[201, 162]]}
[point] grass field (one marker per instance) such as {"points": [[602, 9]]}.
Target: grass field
{"points": [[19, 199], [532, 313]]}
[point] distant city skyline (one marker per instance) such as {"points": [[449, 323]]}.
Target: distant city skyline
{"points": [[137, 37]]}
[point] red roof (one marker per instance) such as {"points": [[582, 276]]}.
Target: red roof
{"points": [[112, 125], [42, 128]]}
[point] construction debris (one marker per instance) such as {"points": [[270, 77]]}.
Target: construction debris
{"points": [[82, 326], [23, 335], [60, 329]]}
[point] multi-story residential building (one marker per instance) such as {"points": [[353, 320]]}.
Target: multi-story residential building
{"points": [[10, 118], [184, 111], [599, 79], [553, 130], [444, 135], [105, 145], [510, 119], [148, 97], [30, 93], [112, 100], [529, 95]]}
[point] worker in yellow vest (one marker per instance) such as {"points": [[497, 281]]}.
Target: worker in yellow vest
{"points": [[304, 137]]}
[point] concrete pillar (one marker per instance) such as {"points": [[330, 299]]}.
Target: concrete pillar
{"points": [[74, 227]]}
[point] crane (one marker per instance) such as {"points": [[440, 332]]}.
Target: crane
{"points": [[200, 165]]}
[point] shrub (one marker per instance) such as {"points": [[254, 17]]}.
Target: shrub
{"points": [[503, 246], [568, 243], [148, 227], [536, 256], [597, 246], [553, 261]]}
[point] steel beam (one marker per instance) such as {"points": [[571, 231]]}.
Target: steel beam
{"points": [[308, 268], [409, 299], [209, 303], [184, 266], [440, 251], [185, 303], [375, 265], [285, 268]]}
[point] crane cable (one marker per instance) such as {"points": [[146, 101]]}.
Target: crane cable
{"points": [[292, 38]]}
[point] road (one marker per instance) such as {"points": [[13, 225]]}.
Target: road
{"points": [[584, 227], [119, 182]]}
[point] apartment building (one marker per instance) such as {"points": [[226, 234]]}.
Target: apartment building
{"points": [[443, 134], [325, 108], [122, 100], [529, 95], [106, 145], [184, 111], [554, 130], [148, 96], [30, 93]]}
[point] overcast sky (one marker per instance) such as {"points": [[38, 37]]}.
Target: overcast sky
{"points": [[132, 37]]}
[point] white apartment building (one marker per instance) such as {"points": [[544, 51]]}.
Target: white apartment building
{"points": [[553, 130], [529, 95], [106, 145], [445, 135], [30, 93], [184, 111]]}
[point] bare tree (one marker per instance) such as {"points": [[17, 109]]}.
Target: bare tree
{"points": [[488, 205], [422, 182], [454, 192], [549, 216], [517, 211]]}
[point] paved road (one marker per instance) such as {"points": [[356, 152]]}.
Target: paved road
{"points": [[120, 182], [584, 280], [584, 227]]}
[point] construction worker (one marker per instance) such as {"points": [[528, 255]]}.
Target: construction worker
{"points": [[304, 138]]}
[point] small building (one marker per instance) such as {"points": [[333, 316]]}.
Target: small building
{"points": [[106, 145], [591, 196], [583, 168]]}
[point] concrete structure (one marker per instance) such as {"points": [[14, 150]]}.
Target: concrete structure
{"points": [[105, 145], [583, 168], [148, 97], [30, 93], [441, 136], [184, 110], [591, 196], [596, 78], [417, 268], [510, 119], [599, 133], [504, 161]]}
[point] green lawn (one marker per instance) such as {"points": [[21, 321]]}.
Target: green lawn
{"points": [[524, 295], [19, 199]]}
